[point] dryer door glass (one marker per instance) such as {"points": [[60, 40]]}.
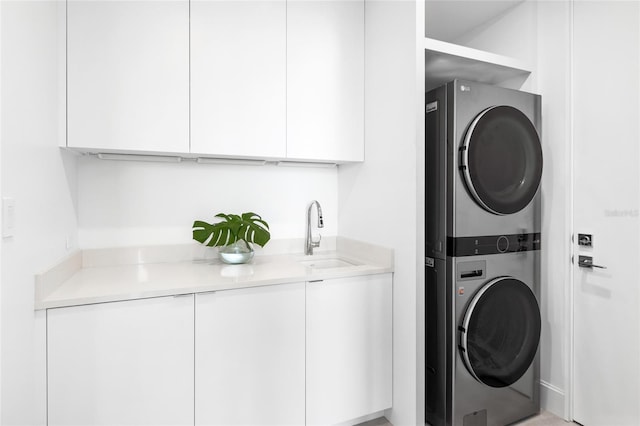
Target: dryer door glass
{"points": [[500, 332], [502, 160]]}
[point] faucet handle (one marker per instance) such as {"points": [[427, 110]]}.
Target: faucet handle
{"points": [[316, 243]]}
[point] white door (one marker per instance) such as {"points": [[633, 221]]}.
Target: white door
{"points": [[238, 77], [606, 94], [325, 80], [128, 75], [121, 363], [250, 356], [349, 344]]}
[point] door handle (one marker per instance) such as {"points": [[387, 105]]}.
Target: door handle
{"points": [[587, 262]]}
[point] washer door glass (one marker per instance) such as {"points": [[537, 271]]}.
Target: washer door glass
{"points": [[500, 332], [502, 160]]}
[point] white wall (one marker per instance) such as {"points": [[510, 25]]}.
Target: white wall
{"points": [[512, 34], [42, 181], [378, 199], [123, 203], [553, 83]]}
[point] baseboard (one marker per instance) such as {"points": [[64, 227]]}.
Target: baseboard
{"points": [[552, 399], [363, 419]]}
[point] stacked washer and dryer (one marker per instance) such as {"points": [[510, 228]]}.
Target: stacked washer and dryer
{"points": [[483, 171]]}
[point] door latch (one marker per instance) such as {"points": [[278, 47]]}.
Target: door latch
{"points": [[585, 240], [587, 262]]}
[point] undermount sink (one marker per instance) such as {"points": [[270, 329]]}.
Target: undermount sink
{"points": [[326, 263]]}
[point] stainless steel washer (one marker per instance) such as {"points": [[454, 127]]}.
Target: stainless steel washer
{"points": [[482, 351]]}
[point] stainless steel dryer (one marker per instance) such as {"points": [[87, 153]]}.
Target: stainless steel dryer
{"points": [[483, 171], [484, 165]]}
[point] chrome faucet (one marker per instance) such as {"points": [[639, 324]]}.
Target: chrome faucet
{"points": [[309, 243]]}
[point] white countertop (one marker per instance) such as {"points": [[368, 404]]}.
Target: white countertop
{"points": [[81, 279]]}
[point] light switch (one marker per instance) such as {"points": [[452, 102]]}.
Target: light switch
{"points": [[8, 216]]}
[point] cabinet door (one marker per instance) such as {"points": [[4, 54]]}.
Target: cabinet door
{"points": [[121, 363], [348, 348], [325, 80], [128, 75], [250, 356], [238, 77]]}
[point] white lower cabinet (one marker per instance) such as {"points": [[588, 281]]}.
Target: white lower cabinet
{"points": [[286, 354], [250, 356], [348, 348], [121, 363]]}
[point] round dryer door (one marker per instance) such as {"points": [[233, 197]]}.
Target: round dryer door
{"points": [[502, 160], [500, 332]]}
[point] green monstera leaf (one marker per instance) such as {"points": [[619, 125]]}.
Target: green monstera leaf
{"points": [[249, 227]]}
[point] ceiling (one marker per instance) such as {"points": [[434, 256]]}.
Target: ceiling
{"points": [[447, 20]]}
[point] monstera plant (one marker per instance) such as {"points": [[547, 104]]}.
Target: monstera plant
{"points": [[234, 234]]}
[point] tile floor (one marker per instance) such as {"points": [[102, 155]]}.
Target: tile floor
{"points": [[543, 419]]}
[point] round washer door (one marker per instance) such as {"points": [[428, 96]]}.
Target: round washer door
{"points": [[502, 160], [500, 332]]}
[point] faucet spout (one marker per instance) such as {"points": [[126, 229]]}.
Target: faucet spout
{"points": [[309, 243]]}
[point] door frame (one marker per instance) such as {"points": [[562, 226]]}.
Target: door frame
{"points": [[570, 271]]}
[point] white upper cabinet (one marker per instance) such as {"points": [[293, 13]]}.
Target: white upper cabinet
{"points": [[325, 80], [238, 78], [128, 75], [267, 79]]}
